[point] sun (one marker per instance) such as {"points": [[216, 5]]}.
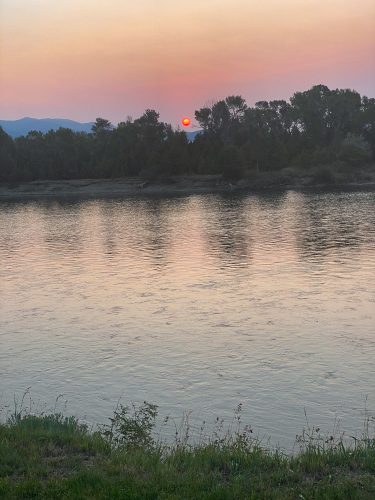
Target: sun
{"points": [[185, 121]]}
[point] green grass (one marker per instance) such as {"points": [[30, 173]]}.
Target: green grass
{"points": [[55, 457]]}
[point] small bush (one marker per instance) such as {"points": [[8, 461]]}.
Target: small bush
{"points": [[132, 427], [324, 175]]}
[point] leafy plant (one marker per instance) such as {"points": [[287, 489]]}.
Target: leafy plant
{"points": [[131, 427]]}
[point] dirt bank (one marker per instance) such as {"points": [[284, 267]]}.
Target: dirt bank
{"points": [[185, 185]]}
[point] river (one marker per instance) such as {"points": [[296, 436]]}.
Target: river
{"points": [[194, 303]]}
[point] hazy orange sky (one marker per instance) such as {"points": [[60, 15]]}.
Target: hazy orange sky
{"points": [[81, 59]]}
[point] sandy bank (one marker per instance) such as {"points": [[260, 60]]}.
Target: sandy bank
{"points": [[113, 187], [123, 187]]}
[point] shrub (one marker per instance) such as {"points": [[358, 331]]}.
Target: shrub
{"points": [[324, 175], [132, 427], [355, 150]]}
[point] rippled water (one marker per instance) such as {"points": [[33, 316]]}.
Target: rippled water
{"points": [[194, 303]]}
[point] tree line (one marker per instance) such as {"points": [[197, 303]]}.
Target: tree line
{"points": [[316, 127]]}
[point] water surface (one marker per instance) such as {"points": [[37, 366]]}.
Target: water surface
{"points": [[194, 303]]}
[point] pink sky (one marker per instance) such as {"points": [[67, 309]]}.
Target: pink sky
{"points": [[81, 59]]}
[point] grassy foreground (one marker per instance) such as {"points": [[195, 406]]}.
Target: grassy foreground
{"points": [[53, 456]]}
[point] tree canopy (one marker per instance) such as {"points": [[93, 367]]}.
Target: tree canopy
{"points": [[316, 127]]}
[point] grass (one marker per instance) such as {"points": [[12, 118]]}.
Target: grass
{"points": [[53, 456]]}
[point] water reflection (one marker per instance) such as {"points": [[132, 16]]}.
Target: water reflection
{"points": [[227, 230], [62, 235], [325, 223]]}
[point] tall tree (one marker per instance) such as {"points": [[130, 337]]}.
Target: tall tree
{"points": [[7, 157]]}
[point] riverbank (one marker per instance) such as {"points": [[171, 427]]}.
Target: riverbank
{"points": [[182, 185], [56, 457]]}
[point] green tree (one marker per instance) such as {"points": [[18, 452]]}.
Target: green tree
{"points": [[8, 164], [101, 127], [231, 164]]}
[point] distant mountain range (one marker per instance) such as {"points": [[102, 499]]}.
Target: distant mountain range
{"points": [[191, 135], [16, 128]]}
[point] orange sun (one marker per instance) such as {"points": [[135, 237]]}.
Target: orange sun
{"points": [[185, 121]]}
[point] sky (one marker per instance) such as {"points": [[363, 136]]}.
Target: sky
{"points": [[81, 59]]}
